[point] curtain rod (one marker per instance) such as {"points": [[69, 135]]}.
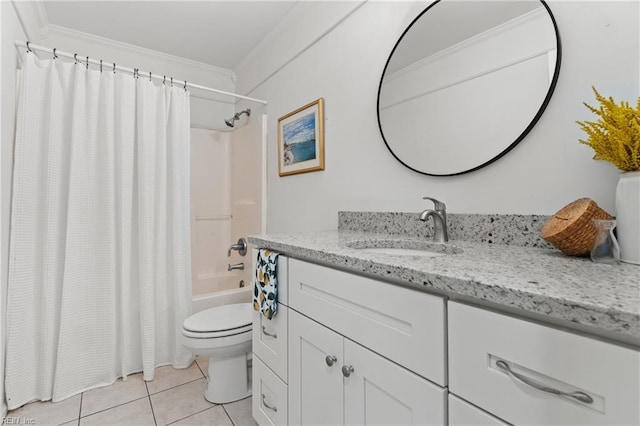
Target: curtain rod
{"points": [[112, 66]]}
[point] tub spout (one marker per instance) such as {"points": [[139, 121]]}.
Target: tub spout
{"points": [[235, 266]]}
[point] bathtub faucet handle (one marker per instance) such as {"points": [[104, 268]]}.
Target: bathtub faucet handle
{"points": [[241, 246]]}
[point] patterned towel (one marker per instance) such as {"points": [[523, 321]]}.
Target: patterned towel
{"points": [[265, 283]]}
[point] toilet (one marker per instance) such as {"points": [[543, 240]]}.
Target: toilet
{"points": [[222, 334]]}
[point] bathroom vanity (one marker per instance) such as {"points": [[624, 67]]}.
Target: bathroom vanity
{"points": [[376, 328]]}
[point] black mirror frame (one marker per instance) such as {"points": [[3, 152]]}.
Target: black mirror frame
{"points": [[543, 106]]}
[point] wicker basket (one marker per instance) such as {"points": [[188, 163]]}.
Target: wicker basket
{"points": [[571, 229]]}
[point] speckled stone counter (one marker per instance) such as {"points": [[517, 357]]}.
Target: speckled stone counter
{"points": [[536, 282], [511, 229]]}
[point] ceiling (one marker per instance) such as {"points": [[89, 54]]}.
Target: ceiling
{"points": [[215, 32]]}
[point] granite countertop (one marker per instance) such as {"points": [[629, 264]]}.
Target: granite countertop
{"points": [[539, 281]]}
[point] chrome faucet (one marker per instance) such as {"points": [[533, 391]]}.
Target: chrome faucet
{"points": [[439, 215], [235, 266]]}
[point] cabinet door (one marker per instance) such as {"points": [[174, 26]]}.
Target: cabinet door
{"points": [[379, 392], [315, 388]]}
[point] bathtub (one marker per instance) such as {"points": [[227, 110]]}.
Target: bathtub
{"points": [[218, 291]]}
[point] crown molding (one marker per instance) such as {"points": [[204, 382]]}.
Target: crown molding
{"points": [[42, 19], [262, 55], [29, 18], [56, 30]]}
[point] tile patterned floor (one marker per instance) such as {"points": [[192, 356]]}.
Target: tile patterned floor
{"points": [[174, 397]]}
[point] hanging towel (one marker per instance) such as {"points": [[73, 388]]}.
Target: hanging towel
{"points": [[265, 283]]}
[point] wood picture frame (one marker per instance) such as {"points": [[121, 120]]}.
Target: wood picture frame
{"points": [[301, 139]]}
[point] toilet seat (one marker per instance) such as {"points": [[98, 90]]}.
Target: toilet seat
{"points": [[216, 334], [221, 321]]}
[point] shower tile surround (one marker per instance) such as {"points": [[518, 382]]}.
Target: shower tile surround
{"points": [[503, 264]]}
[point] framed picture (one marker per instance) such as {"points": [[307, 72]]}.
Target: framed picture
{"points": [[301, 140]]}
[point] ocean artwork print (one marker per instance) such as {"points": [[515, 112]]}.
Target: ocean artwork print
{"points": [[299, 139]]}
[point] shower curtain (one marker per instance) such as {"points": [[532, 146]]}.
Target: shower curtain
{"points": [[99, 269]]}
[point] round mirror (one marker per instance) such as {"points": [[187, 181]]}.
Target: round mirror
{"points": [[466, 82]]}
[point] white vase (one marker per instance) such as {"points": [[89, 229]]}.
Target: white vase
{"points": [[628, 216]]}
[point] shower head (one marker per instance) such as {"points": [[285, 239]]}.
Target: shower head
{"points": [[231, 121]]}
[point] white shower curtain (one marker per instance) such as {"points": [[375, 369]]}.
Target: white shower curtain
{"points": [[99, 269]]}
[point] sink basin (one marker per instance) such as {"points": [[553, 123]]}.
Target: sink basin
{"points": [[395, 251], [393, 247]]}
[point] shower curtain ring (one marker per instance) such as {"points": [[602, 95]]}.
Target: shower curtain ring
{"points": [[149, 75], [171, 81], [28, 48], [114, 67], [87, 62], [100, 65], [54, 53], [185, 85], [164, 79], [75, 58]]}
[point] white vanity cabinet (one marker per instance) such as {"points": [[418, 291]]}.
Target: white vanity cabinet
{"points": [[349, 349], [496, 362], [270, 357], [360, 349], [336, 381]]}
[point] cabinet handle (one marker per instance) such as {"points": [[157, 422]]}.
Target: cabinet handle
{"points": [[270, 407], [580, 396], [347, 370], [266, 333], [330, 360]]}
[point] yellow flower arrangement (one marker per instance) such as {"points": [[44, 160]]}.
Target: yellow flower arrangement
{"points": [[615, 137]]}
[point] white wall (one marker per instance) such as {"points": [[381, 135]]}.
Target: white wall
{"points": [[548, 169]]}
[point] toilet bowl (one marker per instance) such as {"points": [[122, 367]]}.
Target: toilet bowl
{"points": [[222, 334]]}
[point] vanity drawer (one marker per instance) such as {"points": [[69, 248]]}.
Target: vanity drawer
{"points": [[269, 400], [269, 339], [482, 344], [404, 325], [461, 413]]}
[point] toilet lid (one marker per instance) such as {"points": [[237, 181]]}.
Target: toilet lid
{"points": [[220, 318]]}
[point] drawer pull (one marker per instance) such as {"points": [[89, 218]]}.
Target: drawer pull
{"points": [[266, 333], [270, 407], [580, 396], [330, 360]]}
